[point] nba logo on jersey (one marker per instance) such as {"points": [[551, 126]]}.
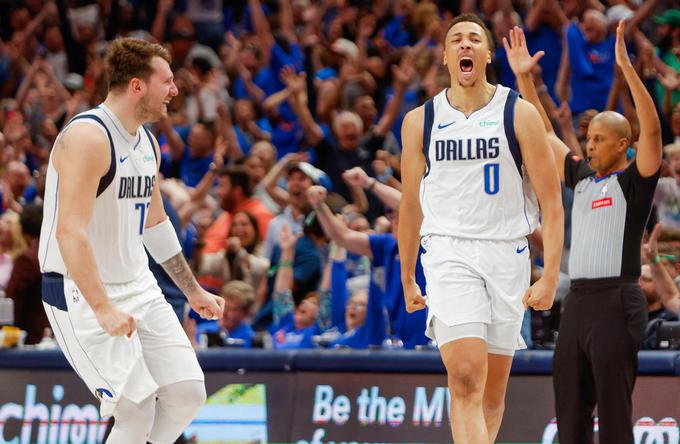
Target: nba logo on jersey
{"points": [[75, 294]]}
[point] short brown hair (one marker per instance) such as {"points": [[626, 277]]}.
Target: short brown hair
{"points": [[127, 58], [238, 176], [474, 19]]}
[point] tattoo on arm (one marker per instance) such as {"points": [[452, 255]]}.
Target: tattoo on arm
{"points": [[178, 269]]}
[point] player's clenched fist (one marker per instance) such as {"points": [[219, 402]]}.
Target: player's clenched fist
{"points": [[540, 296], [115, 322], [206, 304], [414, 299], [316, 195]]}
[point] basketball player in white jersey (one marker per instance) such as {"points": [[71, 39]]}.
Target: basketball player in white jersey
{"points": [[471, 159], [102, 207]]}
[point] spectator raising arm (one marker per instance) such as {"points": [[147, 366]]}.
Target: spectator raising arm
{"points": [[387, 195], [665, 287], [296, 84], [564, 74], [565, 121], [225, 130], [284, 274], [262, 29], [175, 142], [271, 180], [546, 12], [404, 74], [287, 22], [354, 241], [160, 21], [522, 63]]}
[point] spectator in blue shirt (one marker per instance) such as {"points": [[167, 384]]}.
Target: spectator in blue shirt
{"points": [[591, 60], [544, 25], [293, 327], [239, 298], [383, 252], [248, 127], [194, 158], [307, 263], [359, 318]]}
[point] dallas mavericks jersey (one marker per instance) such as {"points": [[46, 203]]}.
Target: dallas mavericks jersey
{"points": [[123, 198], [475, 185]]}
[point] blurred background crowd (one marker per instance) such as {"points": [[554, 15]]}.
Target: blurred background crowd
{"points": [[285, 104]]}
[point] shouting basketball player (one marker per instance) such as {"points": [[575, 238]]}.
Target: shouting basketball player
{"points": [[472, 157]]}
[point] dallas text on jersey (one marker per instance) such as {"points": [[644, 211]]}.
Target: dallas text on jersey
{"points": [[134, 187], [470, 149]]}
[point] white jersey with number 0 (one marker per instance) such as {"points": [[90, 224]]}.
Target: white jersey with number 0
{"points": [[475, 185], [123, 198]]}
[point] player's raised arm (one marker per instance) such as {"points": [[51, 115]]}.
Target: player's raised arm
{"points": [[410, 213], [81, 158], [161, 241], [540, 164], [649, 149], [522, 63]]}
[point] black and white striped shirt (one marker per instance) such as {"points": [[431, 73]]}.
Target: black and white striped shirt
{"points": [[608, 218]]}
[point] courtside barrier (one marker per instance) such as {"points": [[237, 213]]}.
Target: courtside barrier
{"points": [[527, 362], [321, 397]]}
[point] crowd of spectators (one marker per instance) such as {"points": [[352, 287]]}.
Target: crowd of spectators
{"points": [[281, 153]]}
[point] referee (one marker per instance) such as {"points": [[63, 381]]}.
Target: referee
{"points": [[605, 315]]}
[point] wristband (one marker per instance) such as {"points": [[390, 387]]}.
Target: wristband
{"points": [[385, 176], [655, 260], [161, 241], [274, 269]]}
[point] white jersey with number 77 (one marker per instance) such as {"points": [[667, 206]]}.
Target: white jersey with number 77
{"points": [[123, 199]]}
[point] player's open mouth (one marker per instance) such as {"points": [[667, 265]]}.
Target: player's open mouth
{"points": [[466, 64]]}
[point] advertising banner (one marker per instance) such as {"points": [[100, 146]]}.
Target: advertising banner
{"points": [[50, 407]]}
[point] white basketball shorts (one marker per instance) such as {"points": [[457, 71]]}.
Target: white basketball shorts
{"points": [[157, 354], [477, 281]]}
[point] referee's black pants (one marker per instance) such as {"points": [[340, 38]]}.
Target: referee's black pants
{"points": [[595, 361]]}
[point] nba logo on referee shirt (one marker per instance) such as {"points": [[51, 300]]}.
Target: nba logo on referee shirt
{"points": [[605, 201]]}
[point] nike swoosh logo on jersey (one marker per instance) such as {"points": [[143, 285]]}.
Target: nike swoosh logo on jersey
{"points": [[440, 126], [520, 250], [123, 158]]}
